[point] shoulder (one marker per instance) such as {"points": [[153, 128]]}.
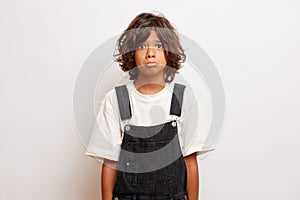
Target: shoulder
{"points": [[111, 96], [189, 98], [108, 96]]}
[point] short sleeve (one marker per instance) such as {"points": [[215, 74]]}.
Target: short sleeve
{"points": [[106, 136], [194, 126]]}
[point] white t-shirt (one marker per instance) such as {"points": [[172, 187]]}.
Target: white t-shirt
{"points": [[147, 110]]}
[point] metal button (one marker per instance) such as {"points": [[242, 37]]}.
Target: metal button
{"points": [[127, 163], [173, 124], [127, 127]]}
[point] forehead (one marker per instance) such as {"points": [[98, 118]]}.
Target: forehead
{"points": [[153, 37]]}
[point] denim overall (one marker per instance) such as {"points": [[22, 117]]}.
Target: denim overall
{"points": [[151, 165]]}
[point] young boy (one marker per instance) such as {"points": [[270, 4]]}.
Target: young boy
{"points": [[147, 128]]}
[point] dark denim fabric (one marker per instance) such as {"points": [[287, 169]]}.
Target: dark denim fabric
{"points": [[134, 180]]}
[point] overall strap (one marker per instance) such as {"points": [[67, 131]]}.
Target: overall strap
{"points": [[177, 99], [123, 101]]}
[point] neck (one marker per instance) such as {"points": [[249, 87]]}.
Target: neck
{"points": [[149, 87]]}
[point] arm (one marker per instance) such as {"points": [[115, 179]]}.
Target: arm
{"points": [[109, 173], [192, 176]]}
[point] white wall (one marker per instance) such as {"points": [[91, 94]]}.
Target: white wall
{"points": [[253, 43]]}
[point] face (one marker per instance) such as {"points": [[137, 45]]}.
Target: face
{"points": [[150, 57]]}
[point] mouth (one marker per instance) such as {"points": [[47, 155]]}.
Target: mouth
{"points": [[151, 64]]}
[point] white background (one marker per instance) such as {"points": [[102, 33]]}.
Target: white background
{"points": [[253, 44]]}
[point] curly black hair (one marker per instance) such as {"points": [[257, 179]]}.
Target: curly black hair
{"points": [[137, 32]]}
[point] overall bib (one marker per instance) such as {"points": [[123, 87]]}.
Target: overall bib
{"points": [[151, 165]]}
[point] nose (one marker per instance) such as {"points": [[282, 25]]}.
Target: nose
{"points": [[150, 53]]}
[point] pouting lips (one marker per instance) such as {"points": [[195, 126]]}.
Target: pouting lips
{"points": [[151, 64]]}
